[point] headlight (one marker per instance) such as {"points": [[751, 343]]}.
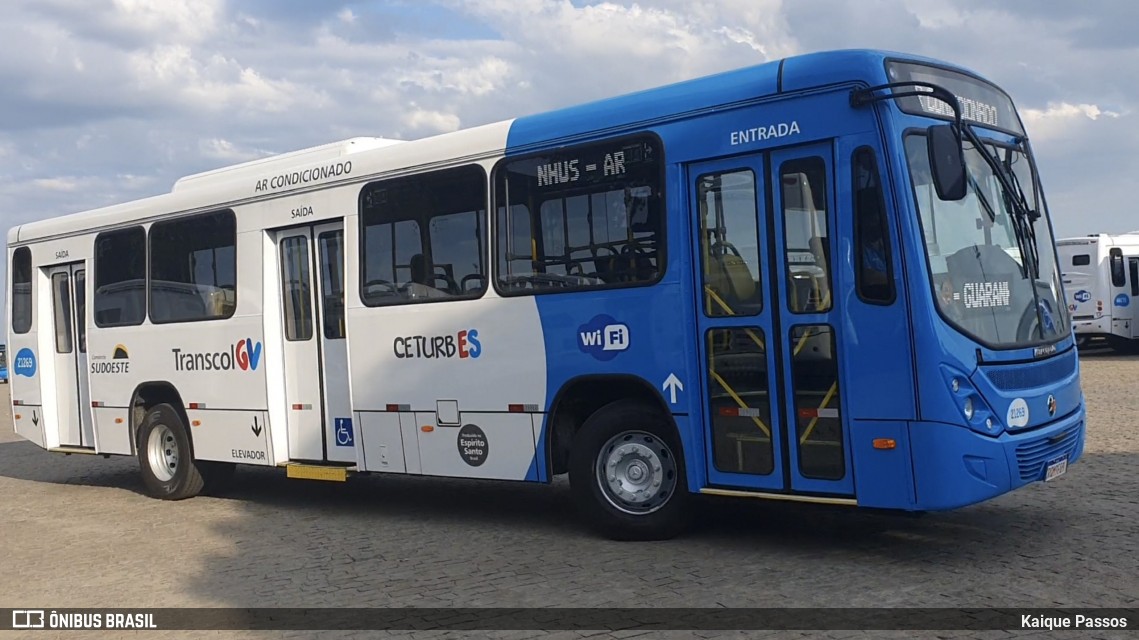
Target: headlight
{"points": [[970, 403]]}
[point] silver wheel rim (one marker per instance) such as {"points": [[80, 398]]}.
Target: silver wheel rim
{"points": [[162, 451], [636, 472]]}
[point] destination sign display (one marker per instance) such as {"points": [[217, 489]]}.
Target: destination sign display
{"points": [[979, 101], [590, 165]]}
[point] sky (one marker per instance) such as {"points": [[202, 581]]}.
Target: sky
{"points": [[106, 101]]}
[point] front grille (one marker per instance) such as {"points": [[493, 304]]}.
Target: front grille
{"points": [[1029, 376], [1032, 456]]}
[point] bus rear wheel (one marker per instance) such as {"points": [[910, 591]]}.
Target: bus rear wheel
{"points": [[626, 475], [165, 457]]}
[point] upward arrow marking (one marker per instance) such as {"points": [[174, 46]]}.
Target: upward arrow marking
{"points": [[672, 384]]}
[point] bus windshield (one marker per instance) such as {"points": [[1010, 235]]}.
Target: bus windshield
{"points": [[981, 282]]}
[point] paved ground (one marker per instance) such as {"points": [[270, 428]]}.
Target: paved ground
{"points": [[76, 532]]}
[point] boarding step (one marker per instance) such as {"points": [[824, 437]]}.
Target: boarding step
{"points": [[328, 472], [90, 451]]}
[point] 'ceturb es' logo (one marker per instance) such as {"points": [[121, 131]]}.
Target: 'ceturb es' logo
{"points": [[244, 355], [603, 337], [464, 344]]}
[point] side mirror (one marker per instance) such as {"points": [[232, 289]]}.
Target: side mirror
{"points": [[947, 162]]}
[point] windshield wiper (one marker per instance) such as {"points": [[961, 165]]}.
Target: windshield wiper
{"points": [[1022, 218], [1030, 216]]}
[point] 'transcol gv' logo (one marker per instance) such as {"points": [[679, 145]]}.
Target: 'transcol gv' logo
{"points": [[603, 337], [244, 355]]}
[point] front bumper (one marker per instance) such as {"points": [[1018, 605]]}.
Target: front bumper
{"points": [[955, 466], [1099, 326]]}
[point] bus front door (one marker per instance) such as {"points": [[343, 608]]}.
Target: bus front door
{"points": [[767, 321], [69, 328], [311, 261]]}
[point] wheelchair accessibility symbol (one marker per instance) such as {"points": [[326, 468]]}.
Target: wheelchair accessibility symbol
{"points": [[344, 432]]}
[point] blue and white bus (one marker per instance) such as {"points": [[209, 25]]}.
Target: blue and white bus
{"points": [[830, 278]]}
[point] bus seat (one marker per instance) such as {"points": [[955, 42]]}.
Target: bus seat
{"points": [[729, 277], [421, 272], [821, 250], [738, 276]]}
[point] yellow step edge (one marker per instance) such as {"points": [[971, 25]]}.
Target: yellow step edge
{"points": [[316, 472], [80, 450], [778, 496]]}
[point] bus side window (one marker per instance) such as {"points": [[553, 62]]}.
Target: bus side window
{"points": [[1133, 267], [120, 278], [584, 217], [21, 290], [193, 268], [874, 274], [423, 237]]}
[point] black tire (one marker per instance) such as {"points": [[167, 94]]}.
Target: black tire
{"points": [[645, 425], [186, 479]]}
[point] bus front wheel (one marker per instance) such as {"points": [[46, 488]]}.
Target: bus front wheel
{"points": [[168, 469], [626, 475]]}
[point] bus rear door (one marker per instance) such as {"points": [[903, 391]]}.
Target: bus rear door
{"points": [[311, 260], [69, 309], [767, 320]]}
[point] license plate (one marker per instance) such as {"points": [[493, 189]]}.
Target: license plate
{"points": [[1055, 469]]}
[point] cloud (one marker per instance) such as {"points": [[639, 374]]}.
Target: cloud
{"points": [[430, 121], [228, 151], [57, 184], [1057, 119], [129, 22]]}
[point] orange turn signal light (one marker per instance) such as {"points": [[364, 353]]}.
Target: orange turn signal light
{"points": [[884, 443], [427, 428]]}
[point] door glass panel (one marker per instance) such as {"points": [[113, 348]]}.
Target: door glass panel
{"points": [[81, 309], [803, 184], [818, 417], [61, 311], [740, 403], [296, 288], [1133, 264], [873, 275], [332, 283], [729, 243]]}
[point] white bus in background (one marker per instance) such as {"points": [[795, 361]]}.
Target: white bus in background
{"points": [[1101, 282]]}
